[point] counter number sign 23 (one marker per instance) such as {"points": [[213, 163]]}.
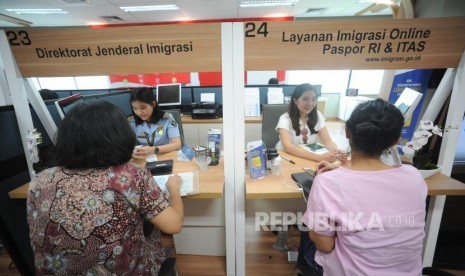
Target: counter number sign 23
{"points": [[18, 38], [251, 29]]}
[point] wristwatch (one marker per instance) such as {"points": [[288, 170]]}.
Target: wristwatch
{"points": [[156, 150]]}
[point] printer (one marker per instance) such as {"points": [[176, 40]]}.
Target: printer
{"points": [[206, 110]]}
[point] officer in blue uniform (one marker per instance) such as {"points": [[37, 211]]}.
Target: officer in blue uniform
{"points": [[157, 131]]}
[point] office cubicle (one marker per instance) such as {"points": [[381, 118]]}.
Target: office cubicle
{"points": [[14, 173]]}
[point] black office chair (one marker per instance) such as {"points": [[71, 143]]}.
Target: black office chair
{"points": [[177, 116], [167, 268], [435, 272], [271, 114]]}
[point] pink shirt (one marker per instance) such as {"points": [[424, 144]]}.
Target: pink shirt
{"points": [[378, 218]]}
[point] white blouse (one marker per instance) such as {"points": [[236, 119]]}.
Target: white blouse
{"points": [[285, 123]]}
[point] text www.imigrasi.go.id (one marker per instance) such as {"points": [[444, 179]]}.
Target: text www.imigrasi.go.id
{"points": [[394, 59]]}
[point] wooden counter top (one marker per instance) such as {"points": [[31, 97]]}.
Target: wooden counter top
{"points": [[211, 182], [283, 187]]}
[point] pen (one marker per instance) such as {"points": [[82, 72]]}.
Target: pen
{"points": [[287, 159]]}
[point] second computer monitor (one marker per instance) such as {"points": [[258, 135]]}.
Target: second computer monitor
{"points": [[169, 94]]}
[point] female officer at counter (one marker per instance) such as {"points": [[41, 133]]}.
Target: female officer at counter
{"points": [[156, 130], [305, 124]]}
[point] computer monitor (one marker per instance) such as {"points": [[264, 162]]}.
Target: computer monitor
{"points": [[66, 104], [120, 99], [204, 94], [63, 93], [52, 109], [169, 94]]}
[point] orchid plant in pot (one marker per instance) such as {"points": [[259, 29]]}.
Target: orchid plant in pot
{"points": [[421, 159]]}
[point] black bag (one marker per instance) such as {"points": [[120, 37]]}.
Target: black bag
{"points": [[305, 180]]}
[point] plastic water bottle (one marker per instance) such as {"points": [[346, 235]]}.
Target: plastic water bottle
{"points": [[275, 165], [215, 157]]}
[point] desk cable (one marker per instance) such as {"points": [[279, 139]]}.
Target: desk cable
{"points": [[288, 186]]}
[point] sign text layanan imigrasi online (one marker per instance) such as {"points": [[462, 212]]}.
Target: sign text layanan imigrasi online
{"points": [[399, 41]]}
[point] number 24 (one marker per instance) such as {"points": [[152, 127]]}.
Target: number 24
{"points": [[250, 29]]}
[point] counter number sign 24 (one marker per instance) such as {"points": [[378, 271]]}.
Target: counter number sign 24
{"points": [[251, 29]]}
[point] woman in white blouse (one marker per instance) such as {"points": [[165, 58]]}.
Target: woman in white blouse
{"points": [[304, 124]]}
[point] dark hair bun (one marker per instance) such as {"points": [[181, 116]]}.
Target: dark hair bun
{"points": [[374, 126], [368, 129]]}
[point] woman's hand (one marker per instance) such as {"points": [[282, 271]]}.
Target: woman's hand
{"points": [[342, 156], [144, 151], [174, 184], [325, 167], [327, 156]]}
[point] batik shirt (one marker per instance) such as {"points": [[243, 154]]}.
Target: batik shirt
{"points": [[156, 134], [90, 222]]}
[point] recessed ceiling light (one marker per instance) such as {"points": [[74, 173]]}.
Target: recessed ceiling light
{"points": [[271, 3], [150, 8], [37, 11]]}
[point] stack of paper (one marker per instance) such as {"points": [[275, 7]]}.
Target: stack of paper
{"points": [[252, 101], [275, 95], [189, 182]]}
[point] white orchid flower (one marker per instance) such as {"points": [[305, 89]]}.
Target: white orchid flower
{"points": [[426, 125], [422, 141], [422, 134], [438, 131], [409, 148]]}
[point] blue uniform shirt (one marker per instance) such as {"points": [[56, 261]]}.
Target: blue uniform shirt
{"points": [[159, 133]]}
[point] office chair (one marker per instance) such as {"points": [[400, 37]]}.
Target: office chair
{"points": [[167, 268], [271, 114], [177, 116]]}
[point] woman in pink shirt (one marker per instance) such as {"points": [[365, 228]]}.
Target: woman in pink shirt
{"points": [[366, 217]]}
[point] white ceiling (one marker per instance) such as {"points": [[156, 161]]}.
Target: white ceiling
{"points": [[83, 14]]}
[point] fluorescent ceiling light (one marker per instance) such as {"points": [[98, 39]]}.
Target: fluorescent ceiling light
{"points": [[37, 11], [384, 2], [271, 3], [150, 8]]}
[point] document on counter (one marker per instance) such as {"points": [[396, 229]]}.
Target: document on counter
{"points": [[189, 182], [314, 147], [252, 101], [275, 95]]}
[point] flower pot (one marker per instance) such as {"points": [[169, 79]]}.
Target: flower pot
{"points": [[428, 173]]}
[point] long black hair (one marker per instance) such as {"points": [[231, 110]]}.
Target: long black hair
{"points": [[374, 126], [94, 134], [294, 112], [145, 94]]}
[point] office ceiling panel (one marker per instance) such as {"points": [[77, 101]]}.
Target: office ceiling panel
{"points": [[85, 12]]}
